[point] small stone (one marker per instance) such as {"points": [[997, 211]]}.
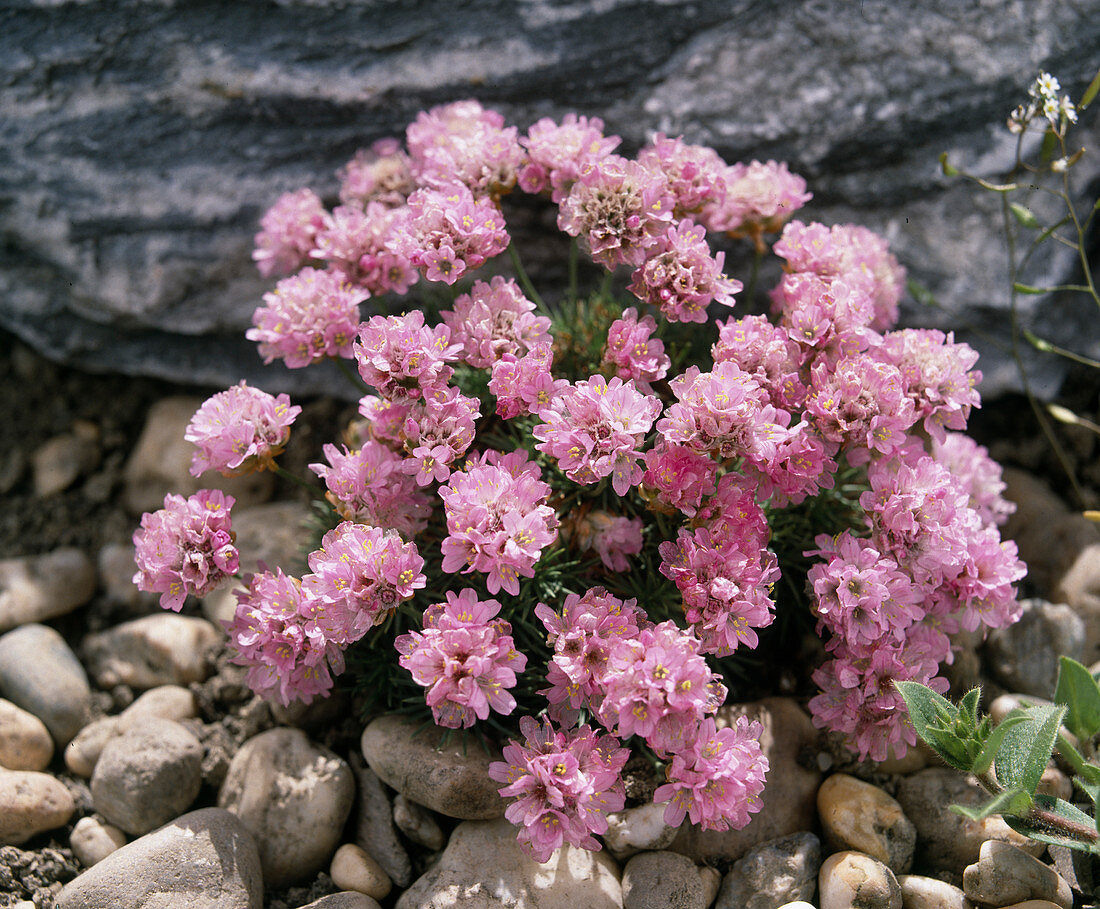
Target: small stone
{"points": [[417, 823], [41, 674], [92, 840], [349, 899], [662, 880], [353, 869], [571, 878], [1024, 656], [929, 893], [1079, 588], [202, 860], [115, 562], [36, 588], [30, 803], [25, 742], [452, 779], [916, 758], [1004, 874], [787, 808], [161, 649], [58, 462], [798, 904], [374, 829], [82, 753], [1055, 783], [712, 883], [638, 829], [270, 534], [294, 796], [161, 463], [860, 817], [852, 879], [773, 873], [948, 842], [147, 775]]}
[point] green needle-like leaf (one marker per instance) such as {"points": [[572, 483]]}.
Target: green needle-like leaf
{"points": [[1011, 801], [1079, 691], [1027, 747]]}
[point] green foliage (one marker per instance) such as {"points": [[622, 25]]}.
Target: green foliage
{"points": [[1009, 758]]}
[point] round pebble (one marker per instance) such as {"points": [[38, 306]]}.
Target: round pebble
{"points": [[161, 649], [294, 796], [58, 462], [638, 829], [40, 673], [353, 869], [662, 880], [1005, 874], [860, 817], [147, 775], [850, 879], [929, 893], [417, 823], [92, 840], [25, 742], [772, 873], [82, 753], [30, 803], [36, 588], [348, 899]]}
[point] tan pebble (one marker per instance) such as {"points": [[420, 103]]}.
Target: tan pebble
{"points": [[850, 879], [1004, 873], [166, 702], [1055, 783], [25, 742], [354, 869], [1033, 904], [798, 904], [712, 883], [930, 893], [92, 840], [82, 753], [30, 803], [860, 817]]}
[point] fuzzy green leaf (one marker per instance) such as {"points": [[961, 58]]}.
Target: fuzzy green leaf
{"points": [[1090, 92], [968, 707], [1049, 147], [992, 744], [1079, 691], [1079, 829], [1024, 215], [933, 718], [1027, 747], [1011, 801]]}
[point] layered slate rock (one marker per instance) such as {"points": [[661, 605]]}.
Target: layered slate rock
{"points": [[142, 141]]}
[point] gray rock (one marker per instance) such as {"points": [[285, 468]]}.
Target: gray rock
{"points": [[662, 880], [638, 829], [348, 899], [1024, 657], [30, 803], [60, 461], [39, 673], [148, 775], [374, 827], [858, 816], [36, 588], [452, 779], [294, 796], [161, 462], [159, 649], [205, 859], [1004, 874], [25, 742], [789, 807], [571, 877], [92, 840], [115, 562], [417, 823], [851, 879], [135, 180], [773, 874], [1079, 586]]}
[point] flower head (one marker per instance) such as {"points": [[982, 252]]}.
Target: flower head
{"points": [[240, 430]]}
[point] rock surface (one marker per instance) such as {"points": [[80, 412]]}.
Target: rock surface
{"points": [[858, 816], [25, 742], [1024, 657], [852, 879], [205, 859], [160, 649], [134, 179], [483, 867], [1005, 874], [92, 840], [294, 796], [36, 588], [774, 873], [662, 880], [374, 825], [31, 802]]}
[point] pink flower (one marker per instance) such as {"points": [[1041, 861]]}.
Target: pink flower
{"points": [[525, 384], [438, 430], [498, 521], [594, 429], [617, 208], [240, 430], [760, 198], [613, 538], [361, 574], [369, 485], [381, 173], [287, 232], [977, 473], [186, 547], [765, 352], [679, 275], [679, 476], [558, 154], [632, 354], [362, 246], [466, 659], [279, 633], [695, 173], [564, 783], [494, 319], [716, 780], [309, 316], [402, 357]]}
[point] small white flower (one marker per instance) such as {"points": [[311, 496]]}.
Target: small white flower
{"points": [[1046, 86]]}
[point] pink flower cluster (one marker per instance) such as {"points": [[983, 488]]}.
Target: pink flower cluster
{"points": [[360, 244], [632, 354], [525, 384], [186, 547], [404, 358], [381, 173], [614, 539], [309, 316], [498, 521], [494, 319], [557, 154], [288, 232], [760, 198], [240, 430], [594, 429], [465, 657]]}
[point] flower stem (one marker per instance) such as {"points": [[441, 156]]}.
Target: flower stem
{"points": [[352, 376], [528, 287], [754, 274], [573, 256], [294, 478]]}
